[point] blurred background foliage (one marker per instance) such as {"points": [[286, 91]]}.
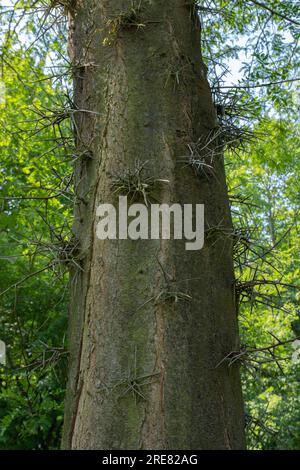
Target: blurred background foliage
{"points": [[251, 50]]}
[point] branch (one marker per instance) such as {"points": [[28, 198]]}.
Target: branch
{"points": [[274, 12], [246, 87], [264, 282], [272, 346], [30, 198], [14, 286], [233, 356]]}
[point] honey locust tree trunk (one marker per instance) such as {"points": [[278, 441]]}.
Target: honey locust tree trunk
{"points": [[149, 320]]}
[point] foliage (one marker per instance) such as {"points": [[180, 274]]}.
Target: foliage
{"points": [[266, 178], [33, 313]]}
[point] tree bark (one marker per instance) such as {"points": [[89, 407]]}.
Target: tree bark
{"points": [[143, 355]]}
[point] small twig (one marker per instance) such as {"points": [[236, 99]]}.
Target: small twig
{"points": [[26, 278]]}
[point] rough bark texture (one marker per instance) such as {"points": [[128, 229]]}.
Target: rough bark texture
{"points": [[142, 367]]}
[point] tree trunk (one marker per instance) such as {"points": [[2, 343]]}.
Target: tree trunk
{"points": [[149, 320]]}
